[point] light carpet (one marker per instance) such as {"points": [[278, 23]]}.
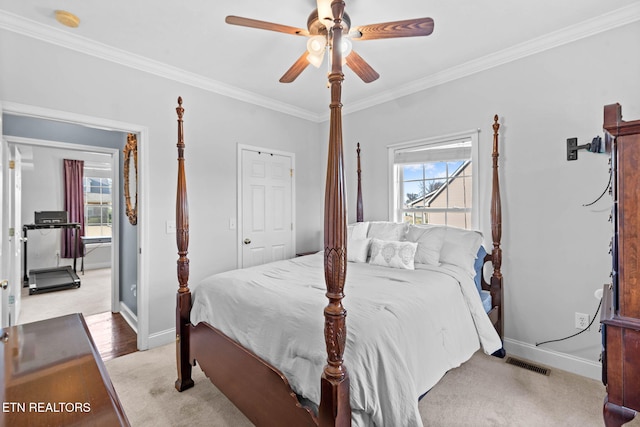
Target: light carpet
{"points": [[485, 391], [92, 297]]}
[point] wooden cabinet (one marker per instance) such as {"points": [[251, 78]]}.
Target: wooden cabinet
{"points": [[621, 300], [52, 375]]}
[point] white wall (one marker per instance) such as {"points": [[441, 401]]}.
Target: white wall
{"points": [[555, 250], [60, 79]]}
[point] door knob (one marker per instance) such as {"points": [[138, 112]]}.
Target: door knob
{"points": [[4, 284], [247, 241]]}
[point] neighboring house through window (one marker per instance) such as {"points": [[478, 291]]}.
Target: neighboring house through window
{"points": [[434, 181], [97, 202]]}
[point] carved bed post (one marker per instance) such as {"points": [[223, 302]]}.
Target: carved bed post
{"points": [[359, 207], [335, 408], [183, 302], [496, 233]]}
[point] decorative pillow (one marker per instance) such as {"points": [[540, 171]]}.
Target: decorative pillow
{"points": [[460, 248], [385, 230], [477, 266], [358, 250], [394, 254], [429, 240]]}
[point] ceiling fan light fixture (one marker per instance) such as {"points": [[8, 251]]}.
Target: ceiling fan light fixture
{"points": [[315, 60], [345, 47], [316, 45]]}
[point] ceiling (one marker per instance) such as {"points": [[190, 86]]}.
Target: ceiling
{"points": [[191, 42]]}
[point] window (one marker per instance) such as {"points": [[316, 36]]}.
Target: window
{"points": [[97, 205], [434, 181]]}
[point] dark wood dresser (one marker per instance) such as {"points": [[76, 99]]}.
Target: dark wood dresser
{"points": [[621, 300], [52, 375]]}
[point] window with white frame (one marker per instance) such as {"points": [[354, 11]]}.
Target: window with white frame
{"points": [[98, 208], [434, 181]]}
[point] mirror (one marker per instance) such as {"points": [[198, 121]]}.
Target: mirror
{"points": [[131, 177]]}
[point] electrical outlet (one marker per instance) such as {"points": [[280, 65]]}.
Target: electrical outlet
{"points": [[582, 321]]}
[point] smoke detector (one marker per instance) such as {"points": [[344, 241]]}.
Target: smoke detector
{"points": [[67, 18]]}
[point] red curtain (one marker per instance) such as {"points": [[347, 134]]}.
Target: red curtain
{"points": [[74, 205]]}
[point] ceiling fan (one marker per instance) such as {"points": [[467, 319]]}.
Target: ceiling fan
{"points": [[320, 38]]}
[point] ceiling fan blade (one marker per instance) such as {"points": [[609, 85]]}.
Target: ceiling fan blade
{"points": [[263, 25], [388, 30], [361, 67], [295, 70]]}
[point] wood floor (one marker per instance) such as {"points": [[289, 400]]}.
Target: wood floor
{"points": [[112, 335]]}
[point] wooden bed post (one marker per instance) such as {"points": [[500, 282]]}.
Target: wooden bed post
{"points": [[359, 207], [183, 302], [335, 408], [496, 233]]}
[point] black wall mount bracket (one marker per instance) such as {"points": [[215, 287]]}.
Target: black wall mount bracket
{"points": [[573, 147]]}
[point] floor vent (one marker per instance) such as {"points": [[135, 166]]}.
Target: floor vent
{"points": [[528, 366]]}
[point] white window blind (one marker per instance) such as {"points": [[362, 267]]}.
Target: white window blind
{"points": [[433, 153], [433, 181]]}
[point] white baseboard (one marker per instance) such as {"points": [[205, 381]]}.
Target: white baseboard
{"points": [[554, 359], [162, 338], [129, 316], [96, 265]]}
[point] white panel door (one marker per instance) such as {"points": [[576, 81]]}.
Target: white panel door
{"points": [[15, 240], [11, 231], [4, 232], [267, 224]]}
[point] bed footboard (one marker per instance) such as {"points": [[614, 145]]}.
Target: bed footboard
{"points": [[255, 387]]}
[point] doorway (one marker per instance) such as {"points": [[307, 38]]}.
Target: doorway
{"points": [[136, 312], [91, 284]]}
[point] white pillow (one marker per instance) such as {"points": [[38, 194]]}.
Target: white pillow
{"points": [[358, 250], [357, 231], [393, 253], [385, 230], [356, 234], [430, 240], [460, 248]]}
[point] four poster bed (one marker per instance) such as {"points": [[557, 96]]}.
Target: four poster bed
{"points": [[408, 326]]}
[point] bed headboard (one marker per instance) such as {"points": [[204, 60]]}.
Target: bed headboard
{"points": [[494, 255], [496, 233]]}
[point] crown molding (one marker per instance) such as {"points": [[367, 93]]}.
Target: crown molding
{"points": [[590, 27], [36, 30], [614, 19]]}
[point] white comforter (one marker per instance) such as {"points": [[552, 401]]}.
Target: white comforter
{"points": [[405, 328]]}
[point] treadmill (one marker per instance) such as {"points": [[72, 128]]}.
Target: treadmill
{"points": [[55, 278]]}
